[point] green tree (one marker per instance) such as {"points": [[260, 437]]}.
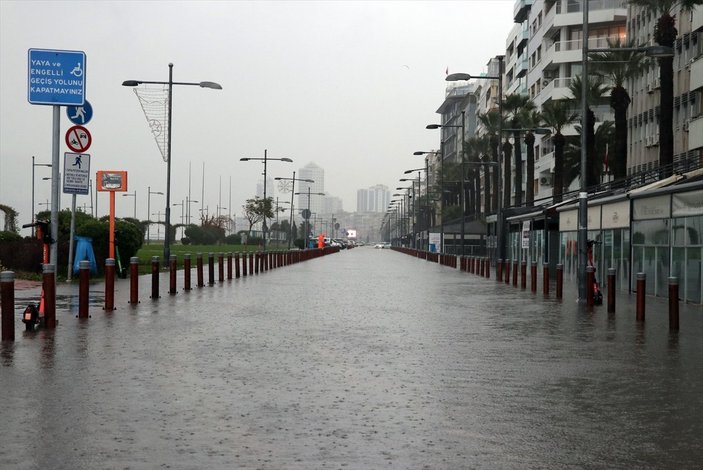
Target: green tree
{"points": [[557, 114], [257, 210], [665, 34], [491, 123], [530, 118], [595, 90], [516, 105], [604, 136], [618, 67]]}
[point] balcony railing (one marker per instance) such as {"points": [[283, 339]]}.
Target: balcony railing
{"points": [[575, 6]]}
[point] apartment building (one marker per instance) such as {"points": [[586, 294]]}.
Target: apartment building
{"points": [[643, 122]]}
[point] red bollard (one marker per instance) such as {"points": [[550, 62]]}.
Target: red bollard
{"points": [[49, 287], [590, 275], [251, 263], [109, 284], [229, 265], [641, 292], [199, 269], [186, 271], [507, 271], [83, 289], [257, 262], [237, 271], [211, 268], [523, 275], [7, 300], [172, 270], [221, 267], [154, 277], [134, 280], [560, 281], [499, 270], [545, 279], [488, 268], [674, 303], [533, 275], [611, 290], [245, 264], [515, 272]]}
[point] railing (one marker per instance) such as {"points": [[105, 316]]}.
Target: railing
{"points": [[573, 6]]}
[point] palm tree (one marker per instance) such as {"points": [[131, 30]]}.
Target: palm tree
{"points": [[530, 118], [490, 122], [595, 89], [618, 67], [604, 136], [515, 104], [665, 35], [557, 115]]}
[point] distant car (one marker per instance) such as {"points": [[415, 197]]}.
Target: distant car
{"points": [[378, 245], [386, 245]]}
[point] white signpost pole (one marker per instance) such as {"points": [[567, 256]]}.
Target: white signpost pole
{"points": [[55, 149], [70, 243]]}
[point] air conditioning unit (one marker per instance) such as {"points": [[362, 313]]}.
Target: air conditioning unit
{"points": [[545, 82], [655, 140], [648, 140], [685, 125], [545, 180], [657, 83], [650, 88]]}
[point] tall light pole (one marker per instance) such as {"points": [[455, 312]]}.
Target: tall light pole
{"points": [[461, 196], [170, 83], [182, 204], [441, 185], [500, 249], [134, 195], [33, 166], [148, 210], [189, 201], [265, 160], [307, 219], [292, 193]]}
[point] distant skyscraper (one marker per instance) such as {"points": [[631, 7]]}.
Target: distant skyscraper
{"points": [[374, 199], [317, 174]]}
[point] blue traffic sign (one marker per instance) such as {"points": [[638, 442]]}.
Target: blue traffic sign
{"points": [[80, 114], [56, 77]]}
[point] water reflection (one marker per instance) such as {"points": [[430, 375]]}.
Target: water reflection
{"points": [[364, 359]]}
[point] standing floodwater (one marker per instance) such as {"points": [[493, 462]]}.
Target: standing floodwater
{"points": [[362, 359]]}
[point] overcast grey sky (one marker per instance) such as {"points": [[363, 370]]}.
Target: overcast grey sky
{"points": [[349, 86]]}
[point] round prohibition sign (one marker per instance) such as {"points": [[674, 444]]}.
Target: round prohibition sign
{"points": [[78, 139]]}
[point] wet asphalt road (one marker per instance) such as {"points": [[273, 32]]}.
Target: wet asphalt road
{"points": [[361, 359]]}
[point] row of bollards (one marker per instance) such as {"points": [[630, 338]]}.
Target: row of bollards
{"points": [[238, 265], [510, 270]]}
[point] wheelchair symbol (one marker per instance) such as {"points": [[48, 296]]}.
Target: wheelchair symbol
{"points": [[77, 70]]}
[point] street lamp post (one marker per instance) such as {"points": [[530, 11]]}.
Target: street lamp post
{"points": [[441, 184], [134, 195], [148, 210], [292, 193], [307, 219], [182, 204], [461, 196], [170, 83], [33, 166], [500, 249], [265, 160], [415, 205]]}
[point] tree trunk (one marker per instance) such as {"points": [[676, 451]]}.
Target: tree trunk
{"points": [[518, 168], [558, 187], [530, 162], [617, 160], [665, 35], [592, 166], [507, 175]]}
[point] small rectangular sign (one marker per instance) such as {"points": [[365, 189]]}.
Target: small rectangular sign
{"points": [[111, 180], [56, 77], [76, 173]]}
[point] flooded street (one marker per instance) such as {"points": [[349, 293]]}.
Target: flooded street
{"points": [[362, 359]]}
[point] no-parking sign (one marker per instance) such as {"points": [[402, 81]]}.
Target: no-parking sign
{"points": [[78, 139]]}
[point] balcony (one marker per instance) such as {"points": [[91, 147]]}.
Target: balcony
{"points": [[521, 67], [562, 52], [555, 89], [599, 11], [522, 10]]}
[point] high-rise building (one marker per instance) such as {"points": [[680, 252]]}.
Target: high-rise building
{"points": [[644, 90], [373, 199], [312, 172]]}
